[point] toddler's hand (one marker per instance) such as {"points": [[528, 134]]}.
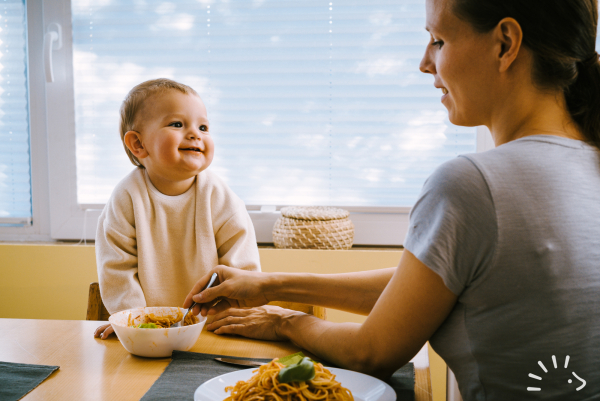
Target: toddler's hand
{"points": [[103, 331]]}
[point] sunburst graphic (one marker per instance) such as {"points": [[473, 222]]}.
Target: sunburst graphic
{"points": [[583, 382]]}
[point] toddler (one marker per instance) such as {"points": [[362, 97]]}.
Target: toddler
{"points": [[171, 220]]}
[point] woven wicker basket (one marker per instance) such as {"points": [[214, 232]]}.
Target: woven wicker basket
{"points": [[313, 227]]}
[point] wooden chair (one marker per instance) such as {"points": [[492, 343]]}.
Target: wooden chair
{"points": [[317, 311], [97, 311]]}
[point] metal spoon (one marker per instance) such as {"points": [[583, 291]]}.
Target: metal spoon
{"points": [[210, 283]]}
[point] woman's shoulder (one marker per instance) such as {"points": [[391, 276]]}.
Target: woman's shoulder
{"points": [[533, 148], [453, 223], [461, 172]]}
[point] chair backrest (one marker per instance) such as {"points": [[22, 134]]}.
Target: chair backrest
{"points": [[317, 311], [97, 311]]}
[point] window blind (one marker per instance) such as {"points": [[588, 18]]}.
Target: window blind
{"points": [[310, 102], [15, 172]]}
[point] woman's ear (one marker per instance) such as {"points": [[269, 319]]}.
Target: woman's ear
{"points": [[133, 141], [509, 36]]}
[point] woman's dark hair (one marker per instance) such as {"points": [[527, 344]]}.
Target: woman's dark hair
{"points": [[561, 35]]}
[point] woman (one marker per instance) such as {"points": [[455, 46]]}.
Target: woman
{"points": [[501, 268]]}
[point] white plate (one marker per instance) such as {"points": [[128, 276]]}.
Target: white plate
{"points": [[363, 387]]}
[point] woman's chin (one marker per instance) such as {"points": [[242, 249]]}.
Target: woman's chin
{"points": [[461, 120]]}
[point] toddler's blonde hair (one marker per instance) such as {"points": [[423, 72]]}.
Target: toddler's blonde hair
{"points": [[134, 101]]}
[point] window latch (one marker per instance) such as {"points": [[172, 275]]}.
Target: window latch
{"points": [[52, 41]]}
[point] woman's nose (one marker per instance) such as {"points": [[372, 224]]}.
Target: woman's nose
{"points": [[427, 66]]}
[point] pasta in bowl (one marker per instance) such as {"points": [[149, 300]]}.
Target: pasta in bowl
{"points": [[134, 329]]}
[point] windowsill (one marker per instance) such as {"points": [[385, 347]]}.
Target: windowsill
{"points": [[260, 245], [354, 247]]}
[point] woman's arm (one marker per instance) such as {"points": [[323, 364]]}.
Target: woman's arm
{"points": [[353, 292], [408, 312]]}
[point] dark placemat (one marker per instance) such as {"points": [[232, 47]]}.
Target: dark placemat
{"points": [[18, 379], [188, 370]]}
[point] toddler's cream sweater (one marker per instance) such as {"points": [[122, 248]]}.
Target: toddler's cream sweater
{"points": [[151, 248]]}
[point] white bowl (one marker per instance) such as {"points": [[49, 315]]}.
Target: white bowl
{"points": [[154, 342]]}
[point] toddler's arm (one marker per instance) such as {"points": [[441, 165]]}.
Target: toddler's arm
{"points": [[117, 259]]}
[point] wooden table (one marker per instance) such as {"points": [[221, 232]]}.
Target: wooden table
{"points": [[93, 369]]}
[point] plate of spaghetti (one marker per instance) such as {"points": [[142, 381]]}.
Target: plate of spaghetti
{"points": [[264, 384]]}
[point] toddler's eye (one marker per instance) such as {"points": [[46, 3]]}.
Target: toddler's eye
{"points": [[203, 128], [176, 124]]}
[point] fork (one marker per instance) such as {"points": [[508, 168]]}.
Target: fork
{"points": [[210, 283]]}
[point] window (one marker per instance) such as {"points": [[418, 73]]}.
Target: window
{"points": [[310, 102], [15, 174]]}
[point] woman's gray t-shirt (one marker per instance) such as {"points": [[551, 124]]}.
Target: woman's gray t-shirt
{"points": [[515, 233]]}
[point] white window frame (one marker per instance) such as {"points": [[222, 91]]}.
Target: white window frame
{"points": [[56, 213], [39, 230]]}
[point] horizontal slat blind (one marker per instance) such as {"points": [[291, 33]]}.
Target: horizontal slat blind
{"points": [[15, 172], [310, 102]]}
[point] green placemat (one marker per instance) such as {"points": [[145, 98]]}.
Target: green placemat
{"points": [[188, 370], [18, 379]]}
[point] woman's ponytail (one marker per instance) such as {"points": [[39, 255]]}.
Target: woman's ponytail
{"points": [[583, 99]]}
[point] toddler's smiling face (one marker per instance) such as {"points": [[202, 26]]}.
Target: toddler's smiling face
{"points": [[174, 143]]}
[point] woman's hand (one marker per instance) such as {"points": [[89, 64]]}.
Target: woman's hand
{"points": [[103, 331], [234, 288], [262, 323]]}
